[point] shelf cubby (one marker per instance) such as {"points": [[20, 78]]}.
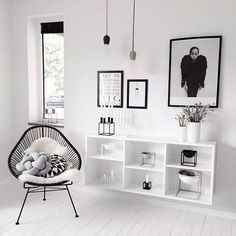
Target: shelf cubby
{"points": [[134, 148], [171, 186], [97, 169], [134, 180], [94, 150], [204, 157]]}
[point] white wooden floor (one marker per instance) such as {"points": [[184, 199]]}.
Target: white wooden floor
{"points": [[101, 214]]}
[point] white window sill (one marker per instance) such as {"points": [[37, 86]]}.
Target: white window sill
{"points": [[57, 125]]}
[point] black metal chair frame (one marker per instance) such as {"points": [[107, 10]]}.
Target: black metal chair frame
{"points": [[16, 155]]}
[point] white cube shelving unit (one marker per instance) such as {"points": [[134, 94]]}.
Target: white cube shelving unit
{"points": [[129, 175]]}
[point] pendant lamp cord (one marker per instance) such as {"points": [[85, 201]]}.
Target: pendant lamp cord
{"points": [[133, 25], [106, 17]]}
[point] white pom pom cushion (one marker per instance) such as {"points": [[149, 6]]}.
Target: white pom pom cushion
{"points": [[47, 145]]}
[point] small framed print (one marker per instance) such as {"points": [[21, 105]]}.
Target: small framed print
{"points": [[137, 94], [110, 88], [194, 71]]}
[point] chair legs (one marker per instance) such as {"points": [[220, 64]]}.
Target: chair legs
{"points": [[17, 222], [44, 193], [76, 215], [44, 199]]}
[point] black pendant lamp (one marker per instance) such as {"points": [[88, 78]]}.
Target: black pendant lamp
{"points": [[106, 38], [132, 54]]}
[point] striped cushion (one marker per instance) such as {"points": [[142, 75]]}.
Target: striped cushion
{"points": [[58, 165]]}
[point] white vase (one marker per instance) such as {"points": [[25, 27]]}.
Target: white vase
{"points": [[194, 132], [182, 134]]}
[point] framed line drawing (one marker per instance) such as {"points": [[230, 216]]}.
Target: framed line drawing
{"points": [[110, 88], [137, 94], [194, 71]]}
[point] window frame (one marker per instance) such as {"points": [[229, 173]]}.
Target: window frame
{"points": [[48, 28]]}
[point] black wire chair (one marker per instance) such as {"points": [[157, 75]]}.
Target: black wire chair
{"points": [[16, 155]]}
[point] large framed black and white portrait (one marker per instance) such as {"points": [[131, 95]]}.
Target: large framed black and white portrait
{"points": [[194, 71], [110, 88]]}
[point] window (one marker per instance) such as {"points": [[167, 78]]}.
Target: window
{"points": [[53, 69]]}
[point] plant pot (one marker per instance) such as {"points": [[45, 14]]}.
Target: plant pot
{"points": [[194, 132], [182, 134], [188, 177]]}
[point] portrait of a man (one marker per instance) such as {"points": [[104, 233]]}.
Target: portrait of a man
{"points": [[194, 71]]}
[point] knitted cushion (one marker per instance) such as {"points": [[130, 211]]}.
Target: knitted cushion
{"points": [[35, 164]]}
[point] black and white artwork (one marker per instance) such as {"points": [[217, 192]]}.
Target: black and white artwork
{"points": [[110, 88], [137, 93], [194, 71]]}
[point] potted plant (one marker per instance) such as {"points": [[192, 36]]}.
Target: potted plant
{"points": [[182, 121], [195, 115]]}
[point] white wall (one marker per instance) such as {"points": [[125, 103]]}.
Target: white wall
{"points": [[5, 87], [157, 22]]}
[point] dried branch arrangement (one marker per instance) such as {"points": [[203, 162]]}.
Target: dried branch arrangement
{"points": [[182, 120], [196, 113]]}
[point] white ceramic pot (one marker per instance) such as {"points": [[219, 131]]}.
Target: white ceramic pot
{"points": [[182, 134], [194, 132], [189, 179]]}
